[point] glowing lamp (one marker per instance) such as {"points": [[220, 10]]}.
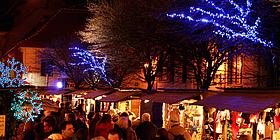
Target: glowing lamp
{"points": [[59, 84]]}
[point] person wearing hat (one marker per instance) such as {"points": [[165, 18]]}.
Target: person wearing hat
{"points": [[146, 130], [176, 129]]}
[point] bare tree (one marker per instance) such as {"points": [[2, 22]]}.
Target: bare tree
{"points": [[207, 42], [135, 25], [59, 55]]}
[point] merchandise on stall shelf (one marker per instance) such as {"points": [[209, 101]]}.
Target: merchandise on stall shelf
{"points": [[175, 116], [260, 128], [268, 130], [221, 116], [277, 122], [276, 135]]}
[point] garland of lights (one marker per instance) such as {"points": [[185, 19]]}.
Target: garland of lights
{"points": [[230, 25], [20, 109], [11, 74], [94, 65], [229, 131]]}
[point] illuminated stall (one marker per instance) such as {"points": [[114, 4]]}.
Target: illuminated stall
{"points": [[180, 101], [92, 97], [244, 113], [122, 100]]}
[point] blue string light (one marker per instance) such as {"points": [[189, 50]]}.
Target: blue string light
{"points": [[230, 24], [92, 64], [11, 74], [26, 106]]}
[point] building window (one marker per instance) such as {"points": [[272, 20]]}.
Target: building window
{"points": [[46, 68]]}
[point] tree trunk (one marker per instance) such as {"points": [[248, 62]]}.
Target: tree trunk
{"points": [[150, 85]]}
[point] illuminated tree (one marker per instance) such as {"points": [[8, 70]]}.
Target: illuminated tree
{"points": [[135, 25], [215, 32], [93, 66], [59, 56], [229, 19]]}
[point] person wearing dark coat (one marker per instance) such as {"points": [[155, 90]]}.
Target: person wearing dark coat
{"points": [[146, 130]]}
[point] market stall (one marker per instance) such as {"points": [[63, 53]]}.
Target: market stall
{"points": [[180, 101], [122, 100], [244, 113]]}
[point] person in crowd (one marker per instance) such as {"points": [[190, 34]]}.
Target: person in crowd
{"points": [[125, 114], [126, 132], [48, 127], [55, 136], [103, 126], [81, 134], [67, 130], [98, 138], [80, 109], [112, 112], [29, 133], [19, 131], [80, 122], [146, 129], [90, 116], [70, 117], [135, 122], [162, 134], [114, 135], [176, 131], [92, 124]]}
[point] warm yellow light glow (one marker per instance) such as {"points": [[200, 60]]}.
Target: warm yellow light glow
{"points": [[146, 65], [98, 98], [146, 101]]}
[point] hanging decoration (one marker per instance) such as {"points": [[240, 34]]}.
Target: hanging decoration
{"points": [[11, 74], [93, 65], [229, 131], [232, 20], [26, 106]]}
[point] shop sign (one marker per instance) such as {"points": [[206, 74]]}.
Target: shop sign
{"points": [[2, 125]]}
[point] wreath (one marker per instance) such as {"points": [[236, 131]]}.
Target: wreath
{"points": [[26, 106]]}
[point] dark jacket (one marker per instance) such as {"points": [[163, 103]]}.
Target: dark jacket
{"points": [[146, 131]]}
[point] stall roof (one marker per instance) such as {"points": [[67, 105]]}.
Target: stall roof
{"points": [[55, 91], [119, 96], [171, 96], [242, 101], [95, 93]]}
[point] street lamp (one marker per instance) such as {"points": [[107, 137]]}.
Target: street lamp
{"points": [[59, 84]]}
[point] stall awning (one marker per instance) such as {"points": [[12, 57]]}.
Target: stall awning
{"points": [[242, 102], [119, 96], [55, 91], [91, 94], [171, 97]]}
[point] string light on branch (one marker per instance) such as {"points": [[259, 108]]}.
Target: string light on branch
{"points": [[26, 106], [232, 25], [94, 65]]}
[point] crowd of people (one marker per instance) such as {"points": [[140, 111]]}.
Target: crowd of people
{"points": [[67, 124]]}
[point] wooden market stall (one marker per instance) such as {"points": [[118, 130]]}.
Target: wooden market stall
{"points": [[122, 100], [244, 112]]}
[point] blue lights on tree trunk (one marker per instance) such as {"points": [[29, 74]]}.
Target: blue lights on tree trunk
{"points": [[92, 64]]}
